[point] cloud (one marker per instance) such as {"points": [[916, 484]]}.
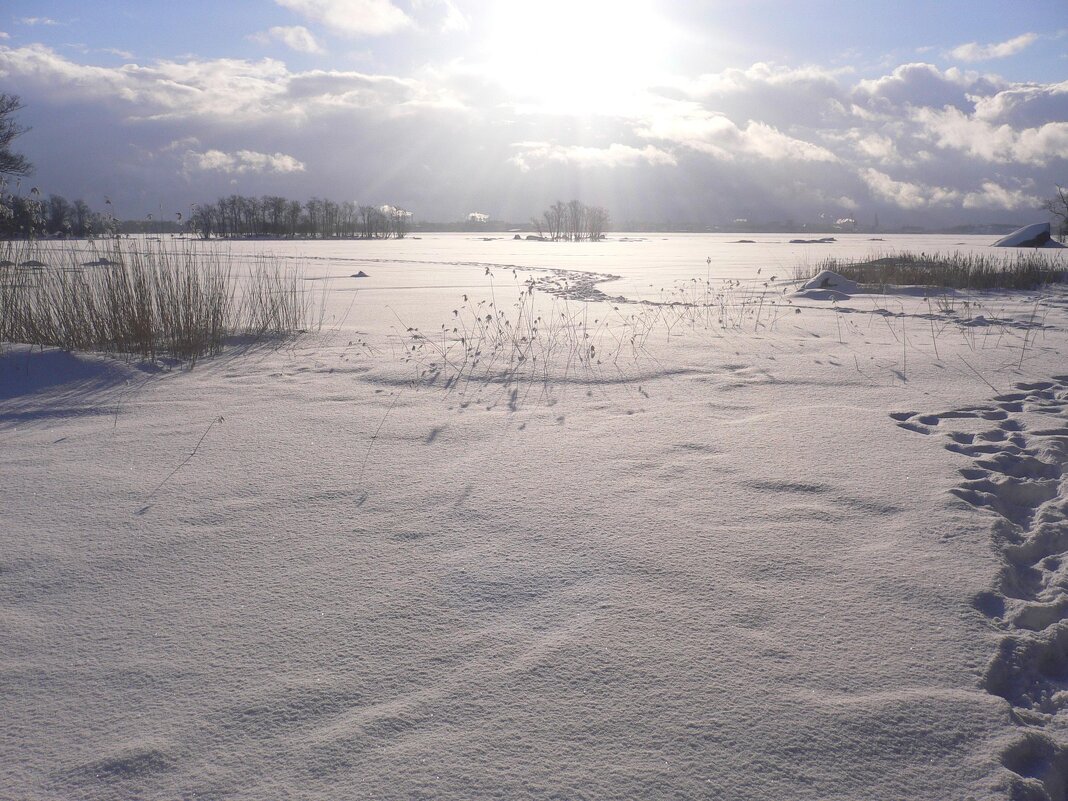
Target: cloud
{"points": [[875, 146], [33, 21], [995, 196], [919, 85], [227, 91], [223, 88], [763, 141], [905, 194], [973, 51], [441, 15], [353, 18], [295, 37], [241, 161], [1026, 106], [334, 88], [716, 135], [532, 155], [916, 145], [955, 130], [777, 95], [4, 35]]}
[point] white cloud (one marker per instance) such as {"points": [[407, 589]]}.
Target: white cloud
{"points": [[877, 147], [796, 80], [4, 35], [241, 161], [224, 90], [905, 194], [995, 196], [354, 18], [532, 155], [1026, 106], [441, 15], [32, 21], [973, 51], [763, 141], [953, 129], [918, 85], [295, 37], [780, 96], [716, 135], [358, 89]]}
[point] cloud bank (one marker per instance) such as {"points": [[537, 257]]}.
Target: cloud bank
{"points": [[917, 144]]}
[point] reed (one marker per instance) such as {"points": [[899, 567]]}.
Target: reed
{"points": [[184, 303], [1014, 270]]}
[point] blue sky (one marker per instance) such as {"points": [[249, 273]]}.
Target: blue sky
{"points": [[922, 113]]}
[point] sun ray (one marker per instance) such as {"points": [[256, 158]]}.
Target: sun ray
{"points": [[584, 56]]}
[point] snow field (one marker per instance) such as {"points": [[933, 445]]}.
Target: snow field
{"points": [[716, 568]]}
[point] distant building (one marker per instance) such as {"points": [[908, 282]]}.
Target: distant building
{"points": [[477, 217]]}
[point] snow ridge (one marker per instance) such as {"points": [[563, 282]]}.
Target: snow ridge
{"points": [[1018, 444]]}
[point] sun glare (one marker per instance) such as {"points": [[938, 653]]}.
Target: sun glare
{"points": [[577, 55]]}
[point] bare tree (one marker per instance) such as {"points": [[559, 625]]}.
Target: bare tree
{"points": [[573, 221], [576, 221], [1058, 207], [11, 164], [596, 222]]}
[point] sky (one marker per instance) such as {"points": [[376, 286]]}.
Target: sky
{"points": [[676, 111]]}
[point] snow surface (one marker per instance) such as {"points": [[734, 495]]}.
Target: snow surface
{"points": [[755, 546], [1028, 236]]}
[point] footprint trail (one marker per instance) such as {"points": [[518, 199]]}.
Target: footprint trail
{"points": [[1018, 446]]}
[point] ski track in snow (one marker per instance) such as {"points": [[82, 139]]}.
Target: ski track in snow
{"points": [[1018, 444]]}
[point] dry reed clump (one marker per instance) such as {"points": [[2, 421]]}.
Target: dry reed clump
{"points": [[725, 304], [155, 303], [540, 339], [485, 343], [953, 271]]}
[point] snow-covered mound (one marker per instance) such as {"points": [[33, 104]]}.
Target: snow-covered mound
{"points": [[1030, 236], [827, 285]]}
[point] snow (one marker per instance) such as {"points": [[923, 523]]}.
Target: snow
{"points": [[1030, 236], [827, 285], [776, 547]]}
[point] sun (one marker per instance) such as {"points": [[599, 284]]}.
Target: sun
{"points": [[577, 56]]}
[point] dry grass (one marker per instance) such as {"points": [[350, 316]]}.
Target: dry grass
{"points": [[518, 343], [1011, 270], [182, 304]]}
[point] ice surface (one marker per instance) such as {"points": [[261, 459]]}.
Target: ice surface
{"points": [[777, 548]]}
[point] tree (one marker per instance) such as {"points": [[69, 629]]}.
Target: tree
{"points": [[1058, 207], [57, 215], [81, 215], [573, 222], [11, 163], [596, 222]]}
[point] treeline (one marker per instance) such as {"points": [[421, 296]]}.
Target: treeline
{"points": [[571, 222], [273, 216], [29, 216]]}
